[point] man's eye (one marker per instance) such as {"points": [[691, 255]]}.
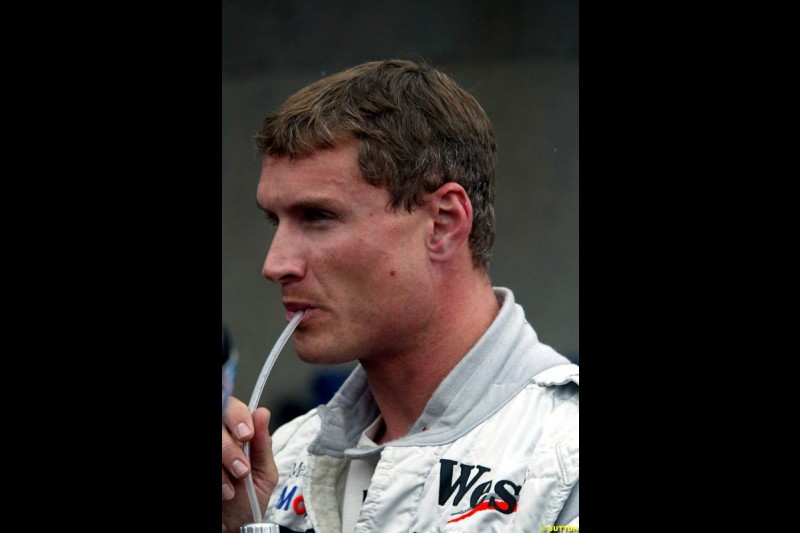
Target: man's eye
{"points": [[314, 215]]}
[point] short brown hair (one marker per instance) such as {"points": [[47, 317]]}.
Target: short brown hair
{"points": [[416, 130]]}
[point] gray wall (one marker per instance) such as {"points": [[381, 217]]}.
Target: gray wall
{"points": [[518, 58]]}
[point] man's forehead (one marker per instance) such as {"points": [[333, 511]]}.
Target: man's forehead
{"points": [[317, 173], [343, 155], [326, 177]]}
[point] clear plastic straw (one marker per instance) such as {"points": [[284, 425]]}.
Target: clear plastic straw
{"points": [[262, 379]]}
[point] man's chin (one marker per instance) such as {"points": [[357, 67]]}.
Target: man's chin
{"points": [[320, 356], [308, 354]]}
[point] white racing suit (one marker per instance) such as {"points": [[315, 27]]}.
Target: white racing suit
{"points": [[496, 448]]}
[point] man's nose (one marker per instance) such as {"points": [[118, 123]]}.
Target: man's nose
{"points": [[284, 262]]}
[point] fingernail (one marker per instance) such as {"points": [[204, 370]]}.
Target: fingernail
{"points": [[227, 491], [238, 468], [242, 430]]}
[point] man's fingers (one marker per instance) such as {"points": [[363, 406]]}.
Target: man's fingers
{"points": [[233, 458], [234, 461], [227, 487], [238, 420]]}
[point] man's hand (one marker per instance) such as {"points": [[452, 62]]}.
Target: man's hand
{"points": [[240, 427]]}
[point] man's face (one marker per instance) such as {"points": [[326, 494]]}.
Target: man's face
{"points": [[358, 268]]}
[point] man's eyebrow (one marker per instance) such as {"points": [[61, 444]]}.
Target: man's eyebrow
{"points": [[322, 203]]}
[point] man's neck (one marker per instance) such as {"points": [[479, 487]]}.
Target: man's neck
{"points": [[402, 385]]}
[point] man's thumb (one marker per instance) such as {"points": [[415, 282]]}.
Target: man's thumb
{"points": [[262, 463]]}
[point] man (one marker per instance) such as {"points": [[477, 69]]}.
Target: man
{"points": [[380, 181]]}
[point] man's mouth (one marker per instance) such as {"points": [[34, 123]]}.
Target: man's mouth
{"points": [[293, 307]]}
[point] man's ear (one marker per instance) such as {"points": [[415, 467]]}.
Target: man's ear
{"points": [[451, 211]]}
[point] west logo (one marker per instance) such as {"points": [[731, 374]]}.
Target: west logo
{"points": [[501, 496], [285, 499]]}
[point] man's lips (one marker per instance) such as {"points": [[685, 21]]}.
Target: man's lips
{"points": [[293, 307]]}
